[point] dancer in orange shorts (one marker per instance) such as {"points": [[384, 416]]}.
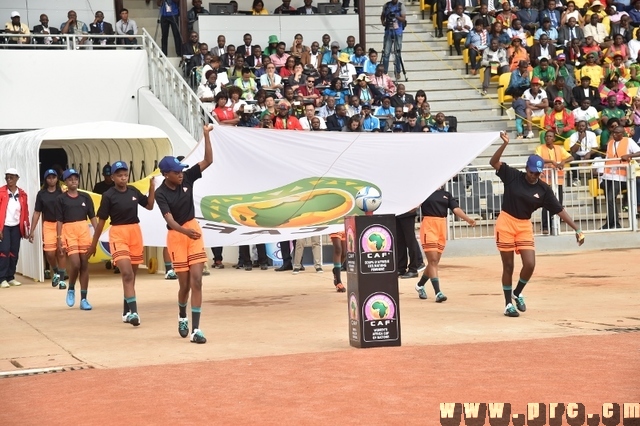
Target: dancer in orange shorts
{"points": [[524, 193], [72, 210], [184, 239], [433, 236], [339, 242], [46, 207], [120, 203]]}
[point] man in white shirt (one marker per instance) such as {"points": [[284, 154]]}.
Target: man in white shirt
{"points": [[614, 178], [595, 29], [634, 48], [309, 113], [314, 57], [44, 28], [537, 103], [126, 26], [221, 48], [460, 24], [582, 145], [589, 114], [345, 70]]}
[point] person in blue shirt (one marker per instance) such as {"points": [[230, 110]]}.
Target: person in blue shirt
{"points": [[439, 126], [336, 91], [386, 108], [369, 122], [330, 57], [169, 15], [358, 59], [369, 65], [520, 79], [394, 19]]}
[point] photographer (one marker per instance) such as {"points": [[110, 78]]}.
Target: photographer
{"points": [[394, 19], [247, 119]]}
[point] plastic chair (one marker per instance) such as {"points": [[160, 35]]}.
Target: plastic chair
{"points": [[503, 83], [425, 6], [450, 41]]}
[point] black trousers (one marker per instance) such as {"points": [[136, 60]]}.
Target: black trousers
{"points": [[547, 218], [245, 254], [612, 189], [217, 253], [406, 241], [9, 248], [165, 23], [440, 18], [285, 250]]}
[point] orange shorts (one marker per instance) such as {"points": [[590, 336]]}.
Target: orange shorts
{"points": [[76, 237], [183, 250], [433, 233], [514, 234], [340, 235], [49, 236], [125, 242]]}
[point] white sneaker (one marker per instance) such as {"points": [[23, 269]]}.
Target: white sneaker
{"points": [[530, 135], [4, 284], [15, 283], [170, 275]]}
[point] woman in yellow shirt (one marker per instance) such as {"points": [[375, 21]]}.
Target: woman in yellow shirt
{"points": [[258, 8]]}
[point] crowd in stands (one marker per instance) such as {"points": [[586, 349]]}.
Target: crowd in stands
{"points": [[568, 61], [316, 87]]}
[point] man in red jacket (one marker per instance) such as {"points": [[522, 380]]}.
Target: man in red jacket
{"points": [[14, 225], [283, 120]]}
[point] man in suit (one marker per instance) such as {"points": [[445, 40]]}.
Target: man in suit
{"points": [[312, 57], [246, 49], [624, 28], [560, 90], [552, 14], [445, 8], [586, 91], [338, 121], [401, 98], [255, 59], [542, 49], [221, 47], [308, 9], [227, 59], [44, 28], [568, 32], [191, 47], [98, 26]]}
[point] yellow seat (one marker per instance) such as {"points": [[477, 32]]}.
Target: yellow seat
{"points": [[450, 41], [594, 188], [633, 92], [635, 32], [466, 60], [494, 78], [503, 83], [530, 41], [425, 6]]}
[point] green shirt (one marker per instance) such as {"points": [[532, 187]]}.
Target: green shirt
{"points": [[548, 75]]}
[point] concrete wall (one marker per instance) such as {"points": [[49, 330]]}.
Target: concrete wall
{"points": [[44, 88], [153, 113]]}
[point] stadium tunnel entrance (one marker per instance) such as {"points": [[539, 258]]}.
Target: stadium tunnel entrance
{"points": [[87, 147]]}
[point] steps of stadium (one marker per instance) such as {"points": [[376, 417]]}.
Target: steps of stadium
{"points": [[442, 76], [146, 16]]}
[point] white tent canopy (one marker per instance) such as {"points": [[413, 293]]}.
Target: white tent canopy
{"points": [[87, 146]]}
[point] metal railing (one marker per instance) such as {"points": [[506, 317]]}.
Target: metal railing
{"points": [[584, 194], [165, 81]]}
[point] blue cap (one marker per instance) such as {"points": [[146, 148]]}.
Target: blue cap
{"points": [[119, 165], [106, 170], [50, 172], [171, 164], [535, 164], [68, 173], [366, 105]]}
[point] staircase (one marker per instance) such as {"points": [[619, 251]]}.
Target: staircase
{"points": [[442, 76], [146, 16]]}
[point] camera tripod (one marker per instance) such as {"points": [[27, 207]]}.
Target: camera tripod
{"points": [[396, 51]]}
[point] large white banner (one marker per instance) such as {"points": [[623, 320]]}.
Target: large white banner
{"points": [[275, 185]]}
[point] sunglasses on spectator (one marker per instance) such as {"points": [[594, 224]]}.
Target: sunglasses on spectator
{"points": [[311, 81], [558, 102]]}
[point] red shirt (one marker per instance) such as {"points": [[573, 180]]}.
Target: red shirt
{"points": [[285, 72], [24, 208], [224, 113], [304, 91], [292, 123]]}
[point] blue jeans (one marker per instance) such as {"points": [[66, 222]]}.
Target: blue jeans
{"points": [[388, 48]]}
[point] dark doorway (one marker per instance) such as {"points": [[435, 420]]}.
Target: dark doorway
{"points": [[54, 158]]}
